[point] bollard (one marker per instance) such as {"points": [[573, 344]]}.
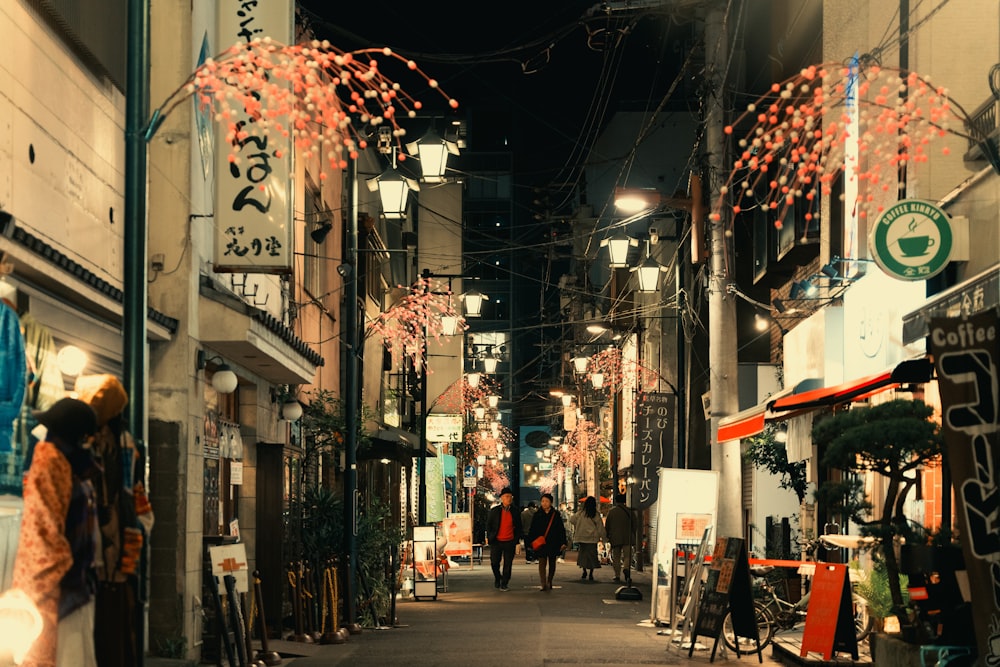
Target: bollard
{"points": [[265, 654]]}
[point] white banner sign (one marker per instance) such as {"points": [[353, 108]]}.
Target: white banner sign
{"points": [[444, 428], [253, 191]]}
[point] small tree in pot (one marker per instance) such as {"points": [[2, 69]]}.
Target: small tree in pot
{"points": [[893, 439]]}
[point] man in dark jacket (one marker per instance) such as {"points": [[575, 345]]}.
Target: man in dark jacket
{"points": [[503, 530], [618, 525]]}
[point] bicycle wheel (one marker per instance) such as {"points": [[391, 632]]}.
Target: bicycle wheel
{"points": [[765, 630], [862, 621]]}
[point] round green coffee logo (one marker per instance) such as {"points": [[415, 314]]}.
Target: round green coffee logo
{"points": [[912, 240]]}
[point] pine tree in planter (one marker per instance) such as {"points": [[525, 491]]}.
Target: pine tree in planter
{"points": [[893, 439]]}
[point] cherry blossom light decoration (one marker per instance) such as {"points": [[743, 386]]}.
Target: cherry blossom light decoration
{"points": [[313, 93], [613, 372], [407, 326], [794, 148]]}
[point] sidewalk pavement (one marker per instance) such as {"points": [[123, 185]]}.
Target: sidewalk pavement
{"points": [[578, 623]]}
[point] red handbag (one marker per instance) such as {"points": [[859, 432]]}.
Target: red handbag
{"points": [[539, 541]]}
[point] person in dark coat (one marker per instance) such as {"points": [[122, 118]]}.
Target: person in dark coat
{"points": [[503, 530], [618, 526], [548, 522]]}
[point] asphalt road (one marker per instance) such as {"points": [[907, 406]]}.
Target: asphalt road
{"points": [[577, 623]]}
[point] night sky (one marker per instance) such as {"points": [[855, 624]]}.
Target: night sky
{"points": [[536, 77]]}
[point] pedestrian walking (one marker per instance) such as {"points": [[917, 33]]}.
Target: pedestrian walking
{"points": [[503, 529], [526, 516], [547, 523], [618, 526], [566, 515], [588, 530], [55, 558]]}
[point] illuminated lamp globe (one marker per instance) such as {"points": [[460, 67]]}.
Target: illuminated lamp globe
{"points": [[224, 380], [490, 364], [291, 410], [71, 360]]}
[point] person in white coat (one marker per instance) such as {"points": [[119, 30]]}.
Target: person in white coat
{"points": [[588, 531]]}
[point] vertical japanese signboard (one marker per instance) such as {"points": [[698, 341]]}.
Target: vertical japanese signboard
{"points": [[253, 171], [965, 354], [654, 424]]}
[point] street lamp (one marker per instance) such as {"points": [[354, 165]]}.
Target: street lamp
{"points": [[474, 303], [291, 410], [393, 189], [618, 246], [490, 364], [633, 200], [580, 363], [648, 275], [432, 150], [597, 380], [449, 325], [224, 380]]}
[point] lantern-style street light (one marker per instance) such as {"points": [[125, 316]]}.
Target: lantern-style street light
{"points": [[648, 275], [432, 150], [393, 189], [618, 246]]}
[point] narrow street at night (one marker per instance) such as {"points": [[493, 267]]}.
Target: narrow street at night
{"points": [[579, 623]]}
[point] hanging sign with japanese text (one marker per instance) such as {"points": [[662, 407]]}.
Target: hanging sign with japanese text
{"points": [[965, 356], [654, 428], [253, 170]]}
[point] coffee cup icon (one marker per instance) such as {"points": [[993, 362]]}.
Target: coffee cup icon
{"points": [[915, 246]]}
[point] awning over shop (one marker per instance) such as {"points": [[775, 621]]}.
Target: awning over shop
{"points": [[750, 422], [911, 371], [979, 293], [805, 397]]}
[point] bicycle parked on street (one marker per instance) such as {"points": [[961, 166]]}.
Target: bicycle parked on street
{"points": [[776, 614]]}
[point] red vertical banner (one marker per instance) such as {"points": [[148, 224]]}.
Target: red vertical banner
{"points": [[965, 356]]}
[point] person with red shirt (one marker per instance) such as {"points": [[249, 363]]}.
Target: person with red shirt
{"points": [[503, 529]]}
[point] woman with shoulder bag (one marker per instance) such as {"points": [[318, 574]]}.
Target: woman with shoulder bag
{"points": [[547, 537], [588, 531]]}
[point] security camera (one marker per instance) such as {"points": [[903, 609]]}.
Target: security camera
{"points": [[654, 234]]}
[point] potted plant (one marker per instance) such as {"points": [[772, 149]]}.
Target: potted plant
{"points": [[893, 439]]}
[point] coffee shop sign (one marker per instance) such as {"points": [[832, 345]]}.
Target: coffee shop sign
{"points": [[912, 240]]}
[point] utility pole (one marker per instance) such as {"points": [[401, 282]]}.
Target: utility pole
{"points": [[134, 279], [722, 358], [352, 403]]}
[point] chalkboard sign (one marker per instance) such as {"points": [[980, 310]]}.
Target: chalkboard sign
{"points": [[727, 591], [830, 617]]}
